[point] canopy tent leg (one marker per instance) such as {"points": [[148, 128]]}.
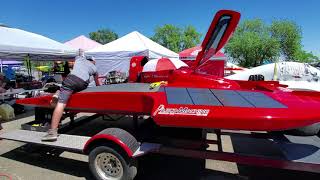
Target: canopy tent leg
{"points": [[28, 63], [1, 66]]}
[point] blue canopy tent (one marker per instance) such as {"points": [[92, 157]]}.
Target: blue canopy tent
{"points": [[7, 67]]}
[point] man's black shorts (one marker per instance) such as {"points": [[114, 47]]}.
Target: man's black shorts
{"points": [[71, 84]]}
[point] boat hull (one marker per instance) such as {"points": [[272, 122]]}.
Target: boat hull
{"points": [[198, 107]]}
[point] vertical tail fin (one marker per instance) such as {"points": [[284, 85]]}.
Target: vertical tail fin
{"points": [[222, 26]]}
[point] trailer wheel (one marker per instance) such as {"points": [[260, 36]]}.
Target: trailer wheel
{"points": [[107, 164]]}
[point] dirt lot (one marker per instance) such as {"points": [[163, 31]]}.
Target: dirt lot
{"points": [[20, 161]]}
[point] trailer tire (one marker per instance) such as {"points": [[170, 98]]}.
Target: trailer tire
{"points": [[106, 163]]}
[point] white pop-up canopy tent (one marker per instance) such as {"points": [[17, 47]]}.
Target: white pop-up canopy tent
{"points": [[19, 44], [116, 55]]}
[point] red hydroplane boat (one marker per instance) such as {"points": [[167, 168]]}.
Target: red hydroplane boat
{"points": [[190, 99]]}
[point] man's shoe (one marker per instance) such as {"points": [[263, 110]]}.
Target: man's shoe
{"points": [[52, 135]]}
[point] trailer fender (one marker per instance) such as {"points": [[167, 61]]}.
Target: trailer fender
{"points": [[116, 136]]}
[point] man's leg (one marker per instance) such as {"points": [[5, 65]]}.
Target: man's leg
{"points": [[57, 114], [52, 134]]}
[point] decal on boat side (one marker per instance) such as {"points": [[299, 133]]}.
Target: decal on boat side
{"points": [[181, 111]]}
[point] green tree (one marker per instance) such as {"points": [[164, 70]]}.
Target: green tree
{"points": [[305, 57], [289, 35], [103, 36], [252, 44], [168, 36], [190, 37], [175, 38]]}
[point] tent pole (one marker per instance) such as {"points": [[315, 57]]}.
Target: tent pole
{"points": [[30, 69], [1, 66], [27, 62], [29, 66]]}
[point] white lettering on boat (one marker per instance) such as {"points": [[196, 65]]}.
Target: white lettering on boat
{"points": [[181, 111]]}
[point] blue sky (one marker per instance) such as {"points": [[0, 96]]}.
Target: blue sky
{"points": [[62, 20]]}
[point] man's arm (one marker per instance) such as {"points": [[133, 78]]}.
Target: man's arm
{"points": [[96, 79]]}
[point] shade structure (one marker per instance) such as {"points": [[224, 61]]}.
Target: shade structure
{"points": [[18, 44], [82, 42], [116, 55], [163, 64]]}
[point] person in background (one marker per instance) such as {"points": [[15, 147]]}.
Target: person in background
{"points": [[76, 81], [2, 89], [66, 70], [3, 83], [56, 67]]}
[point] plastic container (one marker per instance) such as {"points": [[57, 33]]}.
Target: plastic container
{"points": [[6, 112]]}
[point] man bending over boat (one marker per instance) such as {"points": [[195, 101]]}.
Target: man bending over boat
{"points": [[76, 81]]}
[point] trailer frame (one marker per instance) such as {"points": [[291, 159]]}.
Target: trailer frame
{"points": [[131, 149]]}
